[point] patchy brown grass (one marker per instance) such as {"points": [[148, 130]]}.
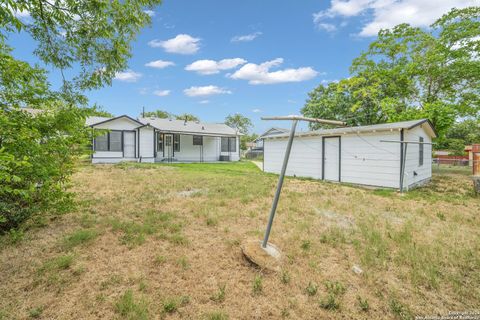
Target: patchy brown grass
{"points": [[163, 242]]}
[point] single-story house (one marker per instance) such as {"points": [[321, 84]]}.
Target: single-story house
{"points": [[162, 140], [270, 132], [357, 155]]}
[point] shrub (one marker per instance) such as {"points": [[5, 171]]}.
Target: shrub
{"points": [[37, 157]]}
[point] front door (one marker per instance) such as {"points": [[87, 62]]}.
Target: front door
{"points": [[168, 140], [331, 158], [129, 144]]}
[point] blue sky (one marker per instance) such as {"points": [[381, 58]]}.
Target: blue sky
{"points": [[212, 58]]}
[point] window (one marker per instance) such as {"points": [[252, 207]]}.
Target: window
{"points": [[176, 142], [420, 151], [229, 144], [101, 143], [198, 140], [111, 141], [159, 142], [115, 143]]}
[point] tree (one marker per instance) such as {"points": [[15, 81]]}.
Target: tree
{"points": [[409, 73], [459, 135], [90, 36], [38, 151], [239, 122], [161, 114], [246, 139], [187, 117]]}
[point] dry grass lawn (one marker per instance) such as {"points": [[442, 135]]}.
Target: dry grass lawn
{"points": [[163, 242]]}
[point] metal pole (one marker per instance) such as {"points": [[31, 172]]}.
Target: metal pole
{"points": [[280, 184], [403, 165]]}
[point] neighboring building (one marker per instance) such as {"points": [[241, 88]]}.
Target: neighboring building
{"points": [[250, 146], [357, 154], [470, 150], [162, 140], [270, 132]]}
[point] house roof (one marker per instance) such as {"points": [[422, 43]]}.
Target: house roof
{"points": [[375, 127], [191, 127], [272, 132], [174, 126], [95, 121]]}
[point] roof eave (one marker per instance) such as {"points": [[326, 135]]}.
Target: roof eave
{"points": [[115, 118]]}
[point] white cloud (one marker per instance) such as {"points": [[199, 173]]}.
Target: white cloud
{"points": [[246, 38], [256, 110], [261, 74], [182, 44], [161, 93], [204, 102], [389, 13], [151, 13], [205, 91], [159, 64], [211, 67], [143, 91], [128, 76], [329, 27]]}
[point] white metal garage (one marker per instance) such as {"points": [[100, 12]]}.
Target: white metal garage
{"points": [[357, 155]]}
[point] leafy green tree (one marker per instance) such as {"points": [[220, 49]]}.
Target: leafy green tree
{"points": [[161, 114], [459, 135], [38, 150], [239, 122], [246, 139], [187, 117], [97, 110], [38, 154], [409, 73], [90, 36]]}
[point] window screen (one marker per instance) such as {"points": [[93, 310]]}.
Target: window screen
{"points": [[115, 141], [101, 143], [420, 152], [197, 140], [176, 142], [229, 144], [159, 142]]}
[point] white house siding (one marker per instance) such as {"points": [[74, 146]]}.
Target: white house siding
{"points": [[118, 124], [114, 156], [367, 161], [364, 159], [305, 157], [412, 166], [190, 153], [145, 144]]}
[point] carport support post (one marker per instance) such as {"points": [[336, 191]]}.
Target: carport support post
{"points": [[280, 184]]}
